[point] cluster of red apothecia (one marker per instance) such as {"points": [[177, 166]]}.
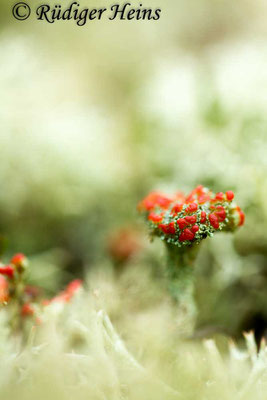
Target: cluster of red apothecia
{"points": [[11, 276], [181, 219]]}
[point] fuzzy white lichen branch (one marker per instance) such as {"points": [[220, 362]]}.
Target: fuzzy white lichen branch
{"points": [[114, 342]]}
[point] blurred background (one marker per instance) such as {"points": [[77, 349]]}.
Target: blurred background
{"points": [[93, 118]]}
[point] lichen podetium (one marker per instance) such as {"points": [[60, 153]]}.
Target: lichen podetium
{"points": [[182, 222]]}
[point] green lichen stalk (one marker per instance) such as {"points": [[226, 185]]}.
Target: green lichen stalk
{"points": [[180, 276], [182, 222]]}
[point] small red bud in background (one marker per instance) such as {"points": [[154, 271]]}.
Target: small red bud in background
{"points": [[124, 244], [19, 260], [74, 286], [66, 295], [27, 310]]}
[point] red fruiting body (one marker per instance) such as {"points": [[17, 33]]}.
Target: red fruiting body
{"points": [[171, 228], [155, 217], [163, 228], [186, 235], [155, 199], [194, 228], [219, 196], [181, 222], [168, 228], [201, 211], [18, 259], [27, 310], [199, 189], [191, 219], [190, 198], [203, 199], [177, 208], [163, 202], [220, 213], [7, 270], [241, 216], [214, 221], [148, 205], [203, 217], [192, 207], [230, 195]]}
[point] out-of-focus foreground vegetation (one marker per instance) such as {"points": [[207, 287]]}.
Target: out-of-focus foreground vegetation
{"points": [[93, 118]]}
